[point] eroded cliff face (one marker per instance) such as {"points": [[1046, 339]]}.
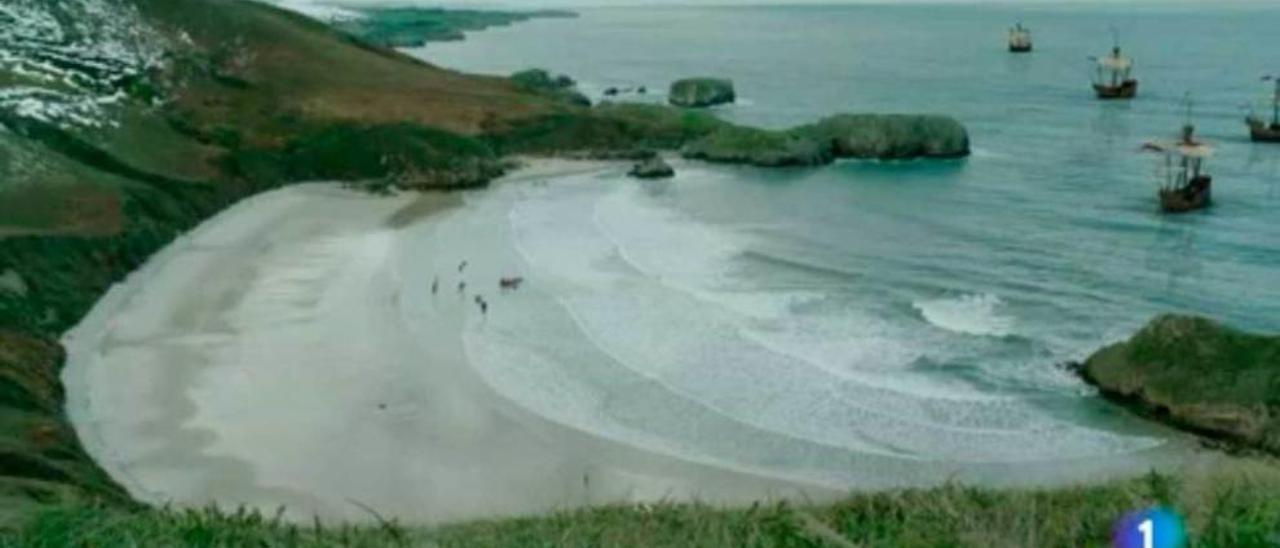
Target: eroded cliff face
{"points": [[1198, 375]]}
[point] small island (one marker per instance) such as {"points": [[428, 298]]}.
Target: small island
{"points": [[701, 92], [1199, 375]]}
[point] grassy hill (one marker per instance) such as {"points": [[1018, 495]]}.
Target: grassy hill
{"points": [[1224, 509], [156, 114], [200, 103]]}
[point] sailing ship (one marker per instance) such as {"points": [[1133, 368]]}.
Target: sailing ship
{"points": [[1112, 77], [1259, 129], [1019, 39], [1184, 185]]}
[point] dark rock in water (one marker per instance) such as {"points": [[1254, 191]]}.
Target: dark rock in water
{"points": [[701, 92], [610, 92], [758, 147], [642, 90], [653, 168], [563, 81], [577, 98], [1198, 375], [1072, 367], [891, 136]]}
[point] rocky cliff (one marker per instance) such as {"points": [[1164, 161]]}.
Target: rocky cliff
{"points": [[1199, 375]]}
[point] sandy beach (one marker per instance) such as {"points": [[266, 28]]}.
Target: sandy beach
{"points": [[262, 360], [292, 352]]}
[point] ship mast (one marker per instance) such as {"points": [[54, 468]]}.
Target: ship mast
{"points": [[1190, 166], [1275, 103]]}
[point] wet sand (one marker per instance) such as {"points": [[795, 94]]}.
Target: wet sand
{"points": [[263, 360]]}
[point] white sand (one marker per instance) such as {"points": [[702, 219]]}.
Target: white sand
{"points": [[263, 360]]}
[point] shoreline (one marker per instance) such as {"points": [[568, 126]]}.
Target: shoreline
{"points": [[309, 264], [196, 440]]}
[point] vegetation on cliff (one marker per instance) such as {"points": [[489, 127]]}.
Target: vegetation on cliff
{"points": [[604, 128], [758, 147], [409, 27], [891, 136], [559, 87], [1197, 374], [862, 136]]}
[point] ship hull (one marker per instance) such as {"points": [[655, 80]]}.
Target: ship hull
{"points": [[1196, 195], [1126, 90], [1020, 48], [1263, 133]]}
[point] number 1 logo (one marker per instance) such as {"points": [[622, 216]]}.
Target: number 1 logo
{"points": [[1149, 528], [1148, 535]]}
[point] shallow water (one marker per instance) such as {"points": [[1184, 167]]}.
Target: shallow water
{"points": [[913, 310], [645, 325]]}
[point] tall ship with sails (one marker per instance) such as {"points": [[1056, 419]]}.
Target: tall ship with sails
{"points": [[1184, 184], [1019, 39], [1261, 129], [1113, 76]]}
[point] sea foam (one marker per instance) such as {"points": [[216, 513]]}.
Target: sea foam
{"points": [[969, 314]]}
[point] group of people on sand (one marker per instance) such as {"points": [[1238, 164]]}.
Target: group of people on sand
{"points": [[503, 284]]}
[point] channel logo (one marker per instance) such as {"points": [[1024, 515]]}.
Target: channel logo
{"points": [[1155, 527]]}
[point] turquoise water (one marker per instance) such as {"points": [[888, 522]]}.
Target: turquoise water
{"points": [[915, 310]]}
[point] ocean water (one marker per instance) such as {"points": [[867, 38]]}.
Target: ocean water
{"points": [[805, 321]]}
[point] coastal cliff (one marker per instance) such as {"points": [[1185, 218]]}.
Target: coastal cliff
{"points": [[1199, 375]]}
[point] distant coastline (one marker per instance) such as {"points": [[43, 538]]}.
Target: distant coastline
{"points": [[415, 27]]}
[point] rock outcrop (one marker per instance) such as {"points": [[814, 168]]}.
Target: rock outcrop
{"points": [[891, 136], [559, 86], [758, 147], [701, 92], [1198, 375], [653, 168], [865, 136]]}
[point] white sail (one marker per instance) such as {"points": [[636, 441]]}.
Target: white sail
{"points": [[1195, 150], [1115, 62]]}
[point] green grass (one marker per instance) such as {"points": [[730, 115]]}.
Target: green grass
{"points": [[1240, 509], [1200, 375], [407, 155], [759, 147], [609, 126]]}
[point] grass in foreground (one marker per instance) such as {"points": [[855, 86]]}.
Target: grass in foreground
{"points": [[1237, 510]]}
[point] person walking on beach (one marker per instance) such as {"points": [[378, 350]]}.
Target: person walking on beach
{"points": [[462, 287], [435, 285], [462, 266]]}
